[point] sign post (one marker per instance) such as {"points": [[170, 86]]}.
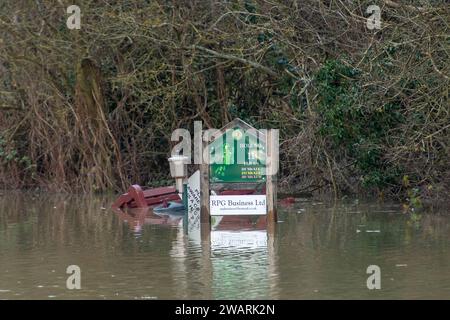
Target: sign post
{"points": [[271, 169], [204, 185], [239, 177], [193, 207]]}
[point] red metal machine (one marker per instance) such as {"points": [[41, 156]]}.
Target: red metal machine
{"points": [[136, 197]]}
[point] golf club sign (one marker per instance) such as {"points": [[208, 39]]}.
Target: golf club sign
{"points": [[237, 172], [241, 171]]}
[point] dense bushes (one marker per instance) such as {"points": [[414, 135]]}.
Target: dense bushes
{"points": [[359, 110], [353, 127]]}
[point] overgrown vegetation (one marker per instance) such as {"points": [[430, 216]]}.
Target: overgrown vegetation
{"points": [[352, 127], [359, 110]]}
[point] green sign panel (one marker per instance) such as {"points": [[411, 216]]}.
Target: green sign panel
{"points": [[238, 155], [237, 173]]}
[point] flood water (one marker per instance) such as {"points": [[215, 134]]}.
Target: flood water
{"points": [[319, 250]]}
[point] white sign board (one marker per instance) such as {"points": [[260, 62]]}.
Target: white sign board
{"points": [[238, 205], [193, 206], [240, 239]]}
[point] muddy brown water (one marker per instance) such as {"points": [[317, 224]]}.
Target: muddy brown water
{"points": [[320, 250]]}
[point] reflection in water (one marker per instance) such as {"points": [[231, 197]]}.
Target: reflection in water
{"points": [[138, 217], [243, 264], [320, 250], [238, 240]]}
